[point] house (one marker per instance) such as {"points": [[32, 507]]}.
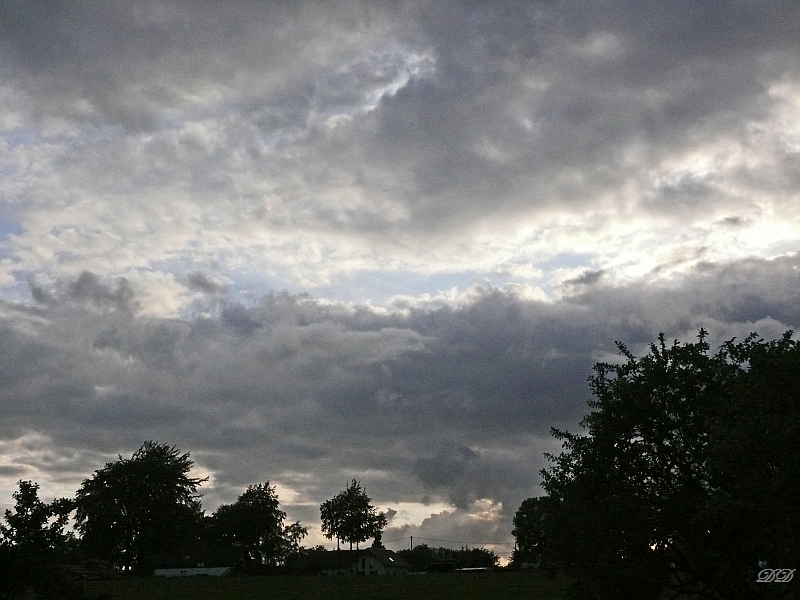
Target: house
{"points": [[372, 561], [214, 562]]}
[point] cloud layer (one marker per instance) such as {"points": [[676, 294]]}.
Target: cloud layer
{"points": [[306, 147], [448, 405], [464, 203]]}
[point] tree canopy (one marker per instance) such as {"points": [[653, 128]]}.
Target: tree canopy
{"points": [[33, 543], [350, 517], [255, 523], [134, 509], [423, 557], [688, 477], [36, 527], [137, 513]]}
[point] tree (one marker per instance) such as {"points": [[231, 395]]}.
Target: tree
{"points": [[35, 527], [470, 558], [687, 479], [350, 517], [423, 557], [33, 543], [255, 523], [133, 510], [529, 528], [292, 536], [420, 556]]}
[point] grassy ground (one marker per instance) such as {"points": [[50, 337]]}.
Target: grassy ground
{"points": [[473, 586]]}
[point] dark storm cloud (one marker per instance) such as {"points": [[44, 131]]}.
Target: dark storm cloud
{"points": [[452, 403], [586, 278], [88, 288], [131, 62], [200, 282]]}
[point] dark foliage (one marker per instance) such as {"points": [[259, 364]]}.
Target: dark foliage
{"points": [[134, 509], [33, 547], [350, 517], [688, 479], [427, 558], [255, 523]]}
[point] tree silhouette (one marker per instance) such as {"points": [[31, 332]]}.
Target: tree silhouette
{"points": [[33, 543], [35, 527], [350, 517], [255, 523], [687, 479], [529, 530], [134, 509]]}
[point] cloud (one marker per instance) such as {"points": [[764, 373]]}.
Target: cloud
{"points": [[449, 404], [317, 143], [481, 524], [464, 204], [586, 278], [200, 282]]}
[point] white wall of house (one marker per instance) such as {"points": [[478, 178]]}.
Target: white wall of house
{"points": [[369, 565]]}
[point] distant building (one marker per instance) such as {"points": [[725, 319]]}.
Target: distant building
{"points": [[372, 561], [214, 562]]}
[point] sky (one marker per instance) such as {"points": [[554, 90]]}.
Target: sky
{"points": [[309, 242]]}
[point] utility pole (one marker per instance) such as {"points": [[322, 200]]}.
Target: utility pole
{"points": [[412, 542]]}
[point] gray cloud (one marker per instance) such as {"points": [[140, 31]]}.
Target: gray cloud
{"points": [[586, 278], [166, 162], [451, 403], [200, 282], [497, 107]]}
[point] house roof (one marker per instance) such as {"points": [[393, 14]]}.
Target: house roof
{"points": [[344, 559], [389, 558]]}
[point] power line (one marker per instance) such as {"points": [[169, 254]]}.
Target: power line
{"points": [[450, 541]]}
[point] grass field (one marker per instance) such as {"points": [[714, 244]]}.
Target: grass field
{"points": [[473, 586]]}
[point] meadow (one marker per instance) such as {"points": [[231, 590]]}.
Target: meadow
{"points": [[473, 586]]}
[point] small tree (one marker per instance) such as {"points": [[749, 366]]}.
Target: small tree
{"points": [[255, 523], [36, 528], [33, 542], [350, 517], [529, 528]]}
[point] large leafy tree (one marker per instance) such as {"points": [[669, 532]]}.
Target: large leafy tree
{"points": [[256, 523], [688, 477], [133, 510], [350, 517]]}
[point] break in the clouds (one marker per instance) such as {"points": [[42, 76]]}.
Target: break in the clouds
{"points": [[465, 203]]}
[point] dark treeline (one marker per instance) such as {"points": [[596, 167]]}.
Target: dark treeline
{"points": [[427, 558], [135, 514], [685, 485], [687, 482], [144, 512]]}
